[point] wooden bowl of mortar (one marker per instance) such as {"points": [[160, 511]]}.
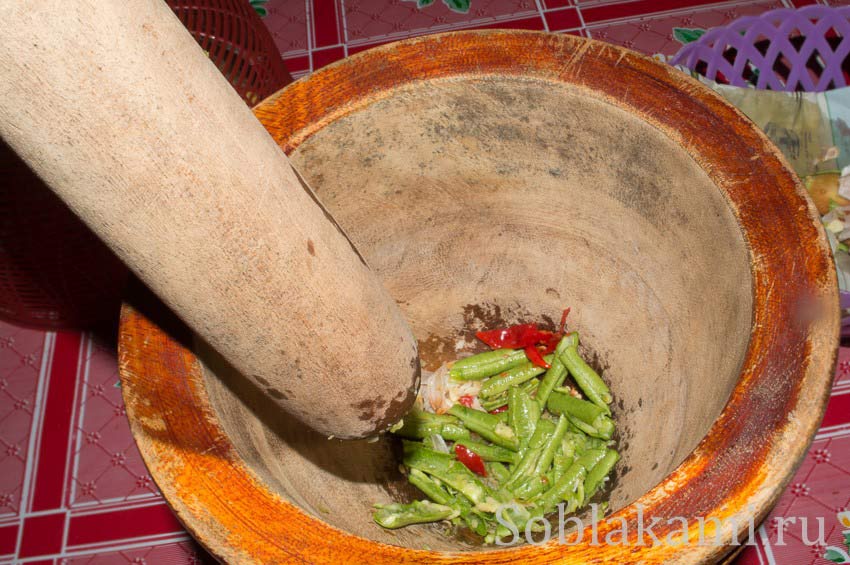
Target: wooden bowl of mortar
{"points": [[493, 177]]}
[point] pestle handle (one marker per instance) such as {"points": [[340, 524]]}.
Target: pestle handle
{"points": [[116, 107]]}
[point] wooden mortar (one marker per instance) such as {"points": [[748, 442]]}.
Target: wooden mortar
{"points": [[492, 177]]}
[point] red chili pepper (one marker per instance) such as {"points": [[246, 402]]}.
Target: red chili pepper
{"points": [[562, 327], [499, 410], [466, 400], [526, 336], [513, 337], [535, 357], [470, 459], [549, 347], [551, 344]]}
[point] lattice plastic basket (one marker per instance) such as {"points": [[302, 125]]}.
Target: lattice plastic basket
{"points": [[791, 50], [238, 43]]}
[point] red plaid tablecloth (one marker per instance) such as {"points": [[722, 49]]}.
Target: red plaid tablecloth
{"points": [[73, 488]]}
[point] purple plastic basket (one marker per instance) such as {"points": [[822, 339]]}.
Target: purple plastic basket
{"points": [[806, 49]]}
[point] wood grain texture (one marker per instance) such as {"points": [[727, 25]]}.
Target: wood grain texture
{"points": [[753, 286], [129, 122]]}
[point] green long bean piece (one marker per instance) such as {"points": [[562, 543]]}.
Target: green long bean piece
{"points": [[587, 416], [590, 383], [517, 375], [397, 515], [499, 471], [524, 468], [567, 484], [574, 444], [488, 426], [590, 458], [542, 433], [473, 519], [486, 364], [493, 403], [429, 486], [528, 387], [490, 452], [531, 487], [449, 470], [574, 497], [418, 424], [523, 414], [553, 378], [560, 463], [596, 475], [552, 445], [536, 444]]}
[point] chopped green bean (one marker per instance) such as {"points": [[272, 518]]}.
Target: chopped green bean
{"points": [[565, 485], [560, 430], [575, 499], [590, 458], [528, 387], [430, 487], [596, 443], [490, 452], [447, 469], [511, 378], [587, 416], [574, 444], [418, 424], [590, 383], [524, 468], [495, 402], [499, 471], [560, 463], [488, 426], [542, 433], [397, 515], [473, 519], [596, 475], [531, 487], [523, 414], [553, 378], [486, 364], [531, 454], [516, 514]]}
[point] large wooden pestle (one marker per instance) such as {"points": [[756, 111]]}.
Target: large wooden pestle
{"points": [[118, 109]]}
